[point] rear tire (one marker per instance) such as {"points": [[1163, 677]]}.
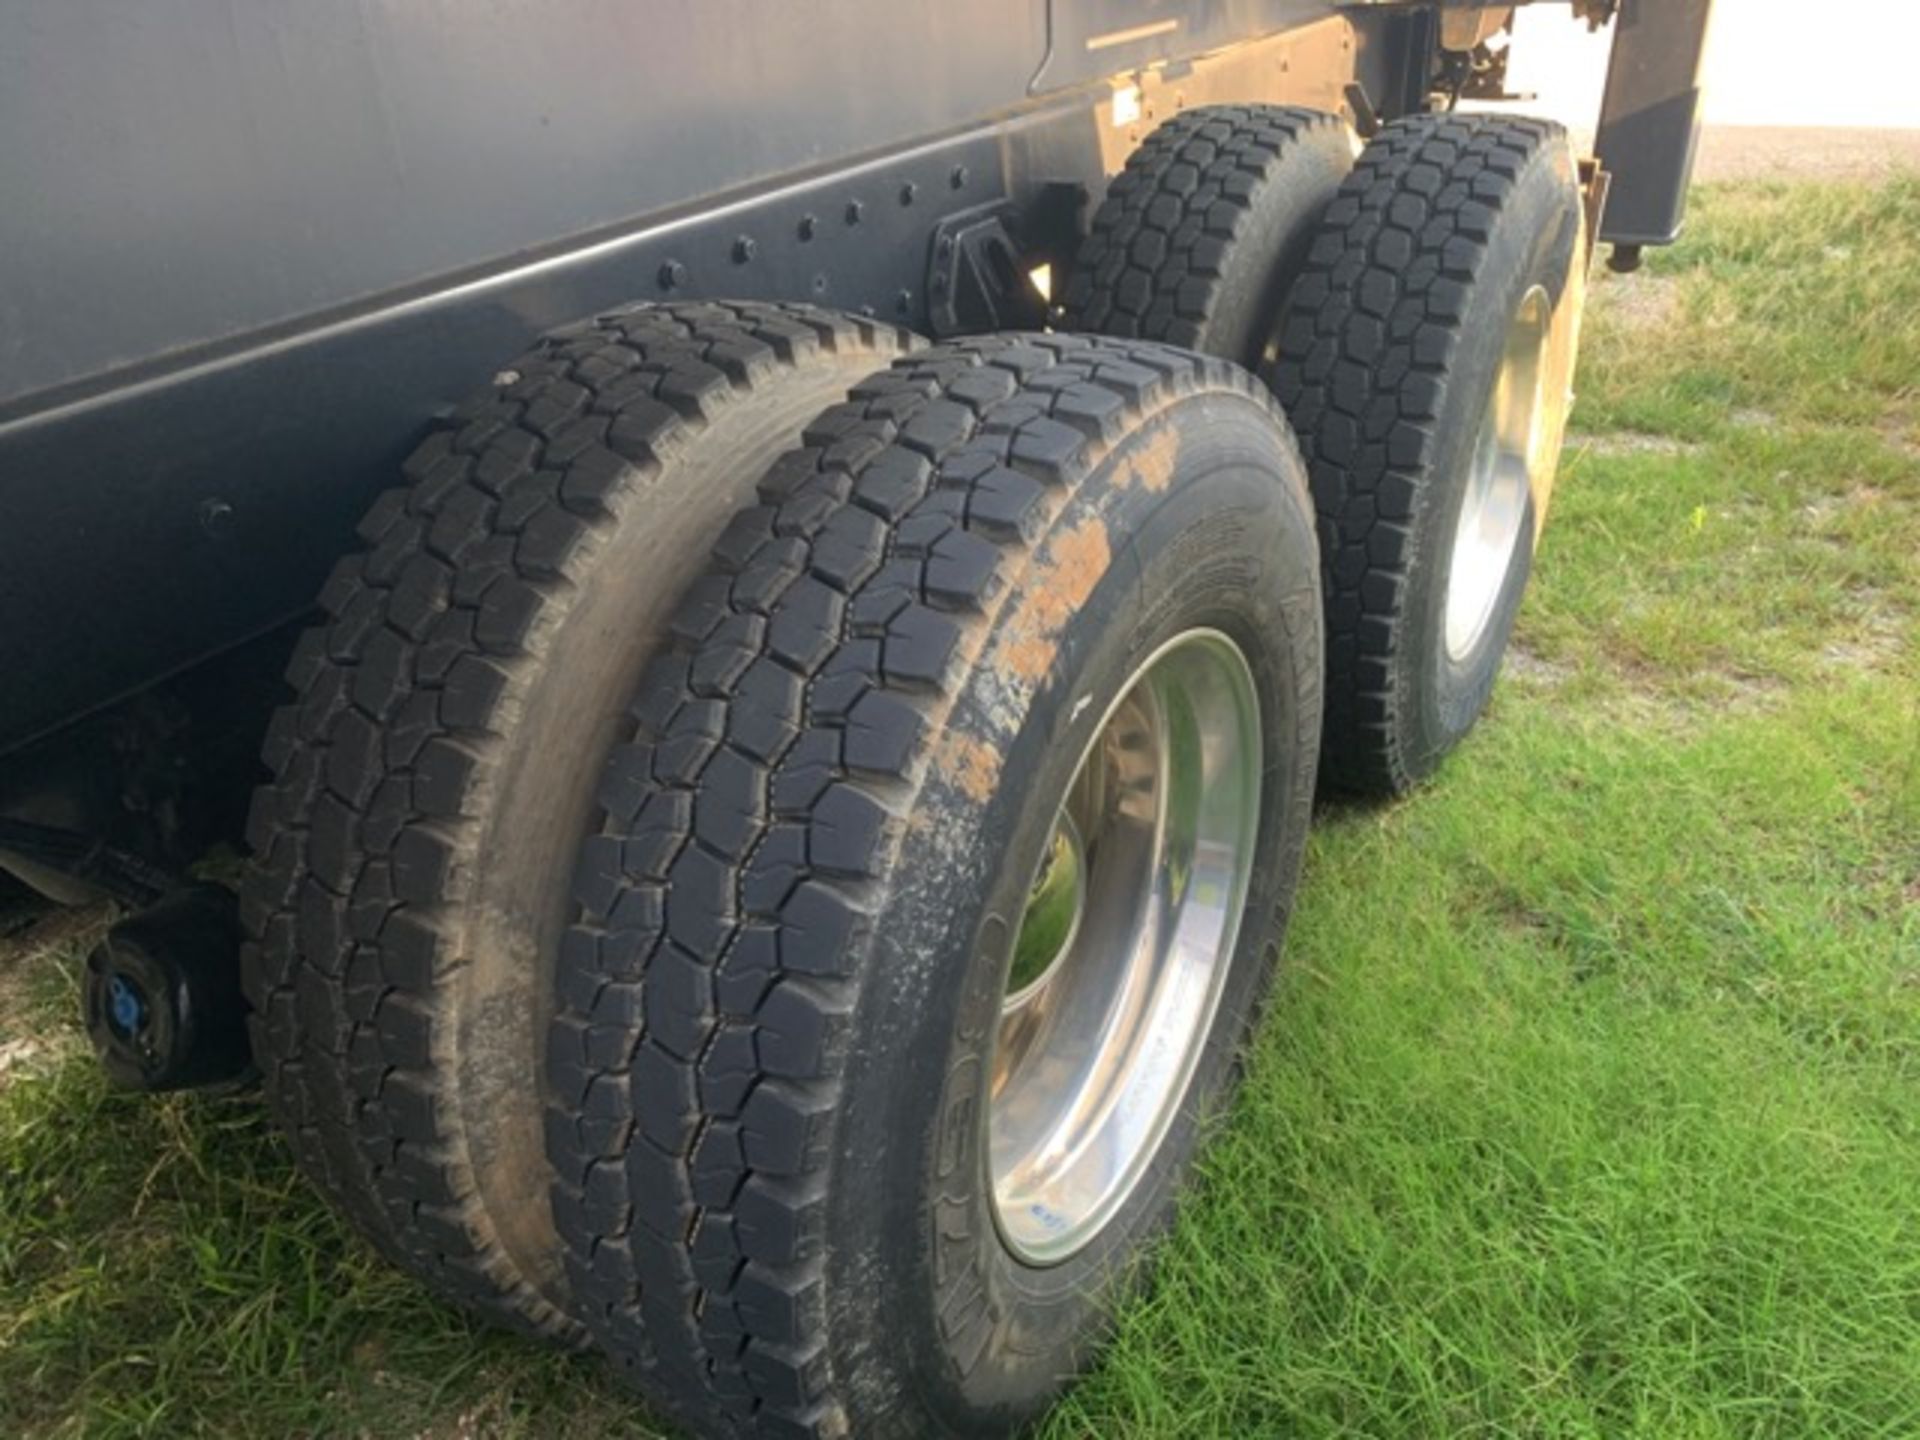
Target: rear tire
{"points": [[779, 1010], [1200, 236], [435, 774], [1453, 256]]}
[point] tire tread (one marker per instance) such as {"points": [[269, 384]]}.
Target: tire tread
{"points": [[406, 696], [1152, 262], [706, 990], [1366, 356]]}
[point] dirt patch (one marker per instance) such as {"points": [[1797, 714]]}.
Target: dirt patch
{"points": [[970, 764], [1641, 302], [1063, 577], [1154, 463], [1901, 435], [1632, 442], [1533, 672], [1823, 509], [1638, 693], [1627, 691], [1709, 698], [1870, 653], [1876, 644]]}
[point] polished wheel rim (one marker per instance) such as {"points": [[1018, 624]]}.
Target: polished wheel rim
{"points": [[1508, 455], [1125, 945]]}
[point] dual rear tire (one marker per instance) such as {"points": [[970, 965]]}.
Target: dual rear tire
{"points": [[782, 834], [1416, 311], [1426, 359], [631, 932], [805, 1121]]}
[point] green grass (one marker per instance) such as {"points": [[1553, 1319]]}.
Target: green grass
{"points": [[1590, 1101]]}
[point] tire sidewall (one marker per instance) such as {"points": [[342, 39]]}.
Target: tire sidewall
{"points": [[947, 1321], [1533, 243], [1244, 318]]}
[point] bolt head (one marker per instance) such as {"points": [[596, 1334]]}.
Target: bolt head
{"points": [[216, 518], [744, 249]]}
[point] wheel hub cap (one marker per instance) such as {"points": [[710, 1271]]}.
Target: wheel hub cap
{"points": [[1508, 455], [1124, 946]]}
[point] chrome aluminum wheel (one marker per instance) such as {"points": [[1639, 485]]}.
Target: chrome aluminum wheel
{"points": [[1511, 448], [1125, 945]]}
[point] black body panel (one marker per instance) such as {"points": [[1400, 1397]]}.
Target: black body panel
{"points": [[249, 247]]}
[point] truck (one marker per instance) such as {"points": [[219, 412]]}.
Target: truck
{"points": [[764, 593]]}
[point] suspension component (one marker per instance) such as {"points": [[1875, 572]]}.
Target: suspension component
{"points": [[162, 994]]}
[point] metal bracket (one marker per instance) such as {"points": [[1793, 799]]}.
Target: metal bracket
{"points": [[1595, 182], [1366, 119], [1650, 119], [976, 278], [1478, 73]]}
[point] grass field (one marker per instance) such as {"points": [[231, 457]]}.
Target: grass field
{"points": [[1590, 1104]]}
